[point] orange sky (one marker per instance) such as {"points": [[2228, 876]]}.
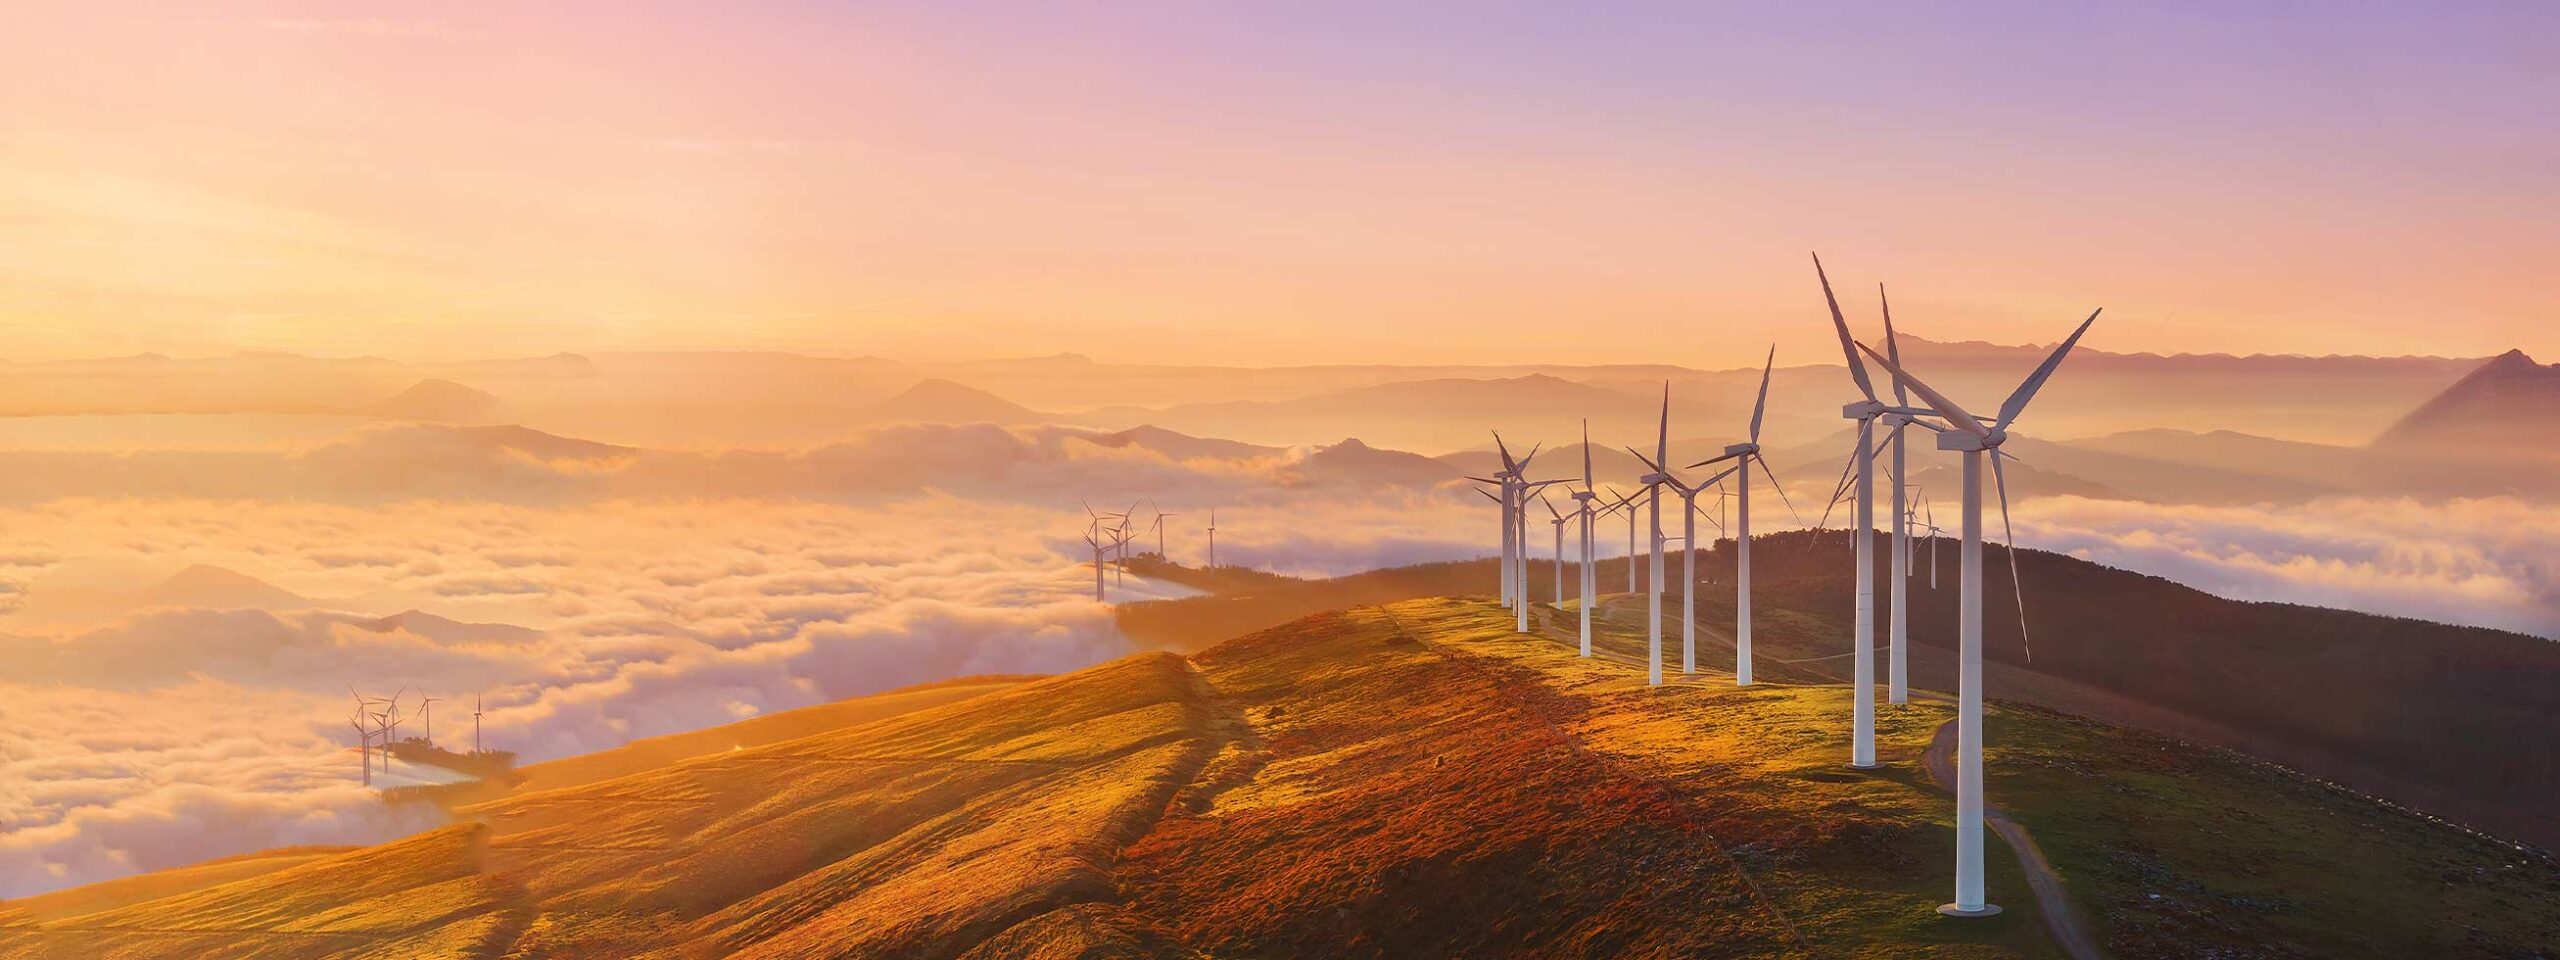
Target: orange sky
{"points": [[1164, 182]]}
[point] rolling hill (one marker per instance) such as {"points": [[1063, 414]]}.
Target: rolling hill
{"points": [[1413, 780], [2403, 709]]}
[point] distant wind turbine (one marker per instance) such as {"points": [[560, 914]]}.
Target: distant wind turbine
{"points": [[429, 705], [1213, 538], [1968, 434], [475, 725]]}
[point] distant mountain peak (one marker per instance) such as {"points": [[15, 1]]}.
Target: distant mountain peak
{"points": [[436, 400], [936, 400], [2504, 404]]}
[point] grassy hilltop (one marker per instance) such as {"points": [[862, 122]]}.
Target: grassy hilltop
{"points": [[1408, 780]]}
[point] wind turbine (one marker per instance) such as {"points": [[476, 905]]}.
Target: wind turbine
{"points": [[429, 703], [1968, 435], [1504, 478], [1745, 453], [1582, 507], [1158, 524], [1898, 607], [1213, 538], [1520, 528], [1862, 637], [1652, 489], [475, 724]]}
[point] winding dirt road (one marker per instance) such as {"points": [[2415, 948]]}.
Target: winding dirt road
{"points": [[2061, 918]]}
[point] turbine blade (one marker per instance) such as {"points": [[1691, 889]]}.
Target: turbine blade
{"points": [[1662, 432], [1937, 401], [1779, 488], [1847, 466], [1761, 405], [1715, 459], [2009, 540], [1507, 465], [1857, 371], [2035, 381], [1892, 348], [1586, 453]]}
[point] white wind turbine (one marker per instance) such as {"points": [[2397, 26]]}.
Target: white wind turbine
{"points": [[1582, 508], [1898, 607], [1508, 478], [1559, 521], [1520, 529], [1862, 462], [1213, 538], [1651, 489], [475, 725], [1159, 525], [1970, 436], [1745, 453], [429, 703]]}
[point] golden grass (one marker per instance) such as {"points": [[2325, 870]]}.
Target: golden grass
{"points": [[1415, 780]]}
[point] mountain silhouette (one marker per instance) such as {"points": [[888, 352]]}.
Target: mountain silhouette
{"points": [[945, 401], [2502, 406]]}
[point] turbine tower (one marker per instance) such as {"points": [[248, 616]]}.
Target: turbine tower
{"points": [[1520, 529], [1862, 636], [476, 749], [430, 704], [1968, 435], [1559, 564], [1213, 538], [1746, 453], [1897, 683]]}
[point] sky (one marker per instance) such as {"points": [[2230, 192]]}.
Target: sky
{"points": [[1269, 183]]}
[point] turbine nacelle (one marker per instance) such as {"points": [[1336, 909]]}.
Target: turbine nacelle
{"points": [[1741, 449], [1863, 410], [1960, 440]]}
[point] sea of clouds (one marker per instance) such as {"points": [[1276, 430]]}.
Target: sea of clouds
{"points": [[609, 595], [592, 613]]}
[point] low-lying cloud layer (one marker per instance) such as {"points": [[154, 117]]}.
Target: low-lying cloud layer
{"points": [[2482, 562], [168, 735]]}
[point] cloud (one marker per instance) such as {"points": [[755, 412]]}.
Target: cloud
{"points": [[2483, 562], [171, 735]]}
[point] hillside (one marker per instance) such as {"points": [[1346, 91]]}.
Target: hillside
{"points": [[2418, 712], [1407, 781]]}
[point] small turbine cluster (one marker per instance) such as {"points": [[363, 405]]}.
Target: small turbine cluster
{"points": [[1109, 535], [377, 721]]}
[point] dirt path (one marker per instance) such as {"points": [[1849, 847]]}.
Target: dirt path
{"points": [[2061, 917]]}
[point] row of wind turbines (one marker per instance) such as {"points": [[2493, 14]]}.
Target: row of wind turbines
{"points": [[1881, 427], [377, 724], [1109, 536]]}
